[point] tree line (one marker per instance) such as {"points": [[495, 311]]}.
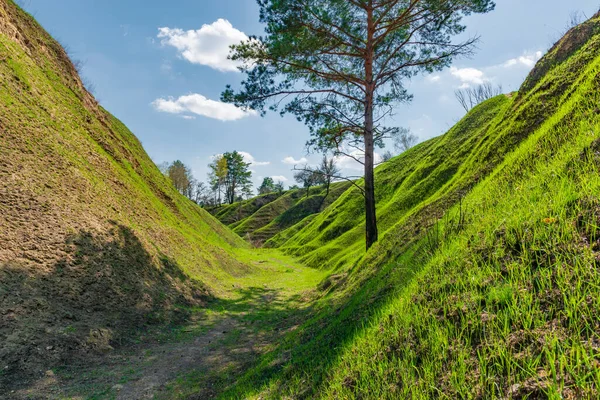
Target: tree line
{"points": [[230, 179]]}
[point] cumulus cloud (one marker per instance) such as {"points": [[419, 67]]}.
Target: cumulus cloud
{"points": [[434, 78], [207, 46], [249, 158], [527, 60], [469, 76], [200, 105], [292, 161], [279, 178]]}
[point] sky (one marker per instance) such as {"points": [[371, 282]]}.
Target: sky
{"points": [[160, 67]]}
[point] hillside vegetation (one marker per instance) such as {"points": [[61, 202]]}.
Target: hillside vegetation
{"points": [[485, 283], [260, 218], [94, 240]]}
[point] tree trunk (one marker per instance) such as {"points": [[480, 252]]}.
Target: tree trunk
{"points": [[371, 216], [370, 211]]}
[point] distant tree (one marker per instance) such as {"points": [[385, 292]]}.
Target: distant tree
{"points": [[279, 188], [163, 167], [387, 156], [200, 193], [327, 171], [218, 175], [575, 18], [470, 97], [307, 178], [404, 140], [181, 177], [210, 197], [267, 186], [247, 191], [238, 176], [293, 187], [341, 66]]}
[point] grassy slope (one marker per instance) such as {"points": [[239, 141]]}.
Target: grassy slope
{"points": [[95, 241], [230, 214], [260, 218], [485, 283], [404, 184]]}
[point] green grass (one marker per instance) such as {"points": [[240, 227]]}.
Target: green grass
{"points": [[261, 218], [485, 282], [88, 221]]}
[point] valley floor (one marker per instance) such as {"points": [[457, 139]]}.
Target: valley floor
{"points": [[204, 357]]}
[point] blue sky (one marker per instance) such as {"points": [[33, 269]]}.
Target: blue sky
{"points": [[162, 83]]}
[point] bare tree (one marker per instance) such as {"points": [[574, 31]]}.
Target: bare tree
{"points": [[387, 156], [307, 178], [328, 170], [470, 97], [404, 140], [576, 18]]}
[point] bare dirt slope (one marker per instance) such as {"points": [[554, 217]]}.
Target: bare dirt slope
{"points": [[94, 241]]}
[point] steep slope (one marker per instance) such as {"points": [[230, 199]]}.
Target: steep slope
{"points": [[508, 306], [94, 241], [485, 283], [260, 218], [231, 214], [432, 171]]}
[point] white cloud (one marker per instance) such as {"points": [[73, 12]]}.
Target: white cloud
{"points": [[528, 60], [468, 76], [279, 178], [434, 78], [208, 45], [249, 158], [188, 117], [292, 161], [200, 105]]}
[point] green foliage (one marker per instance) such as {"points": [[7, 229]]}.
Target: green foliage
{"points": [[238, 176], [341, 66], [181, 177], [485, 284], [218, 175], [87, 218], [263, 217], [329, 57], [267, 186]]}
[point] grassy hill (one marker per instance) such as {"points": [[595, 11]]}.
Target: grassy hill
{"points": [[94, 240], [485, 283], [262, 217]]}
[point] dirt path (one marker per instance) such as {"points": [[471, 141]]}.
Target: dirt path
{"points": [[168, 361], [201, 359]]}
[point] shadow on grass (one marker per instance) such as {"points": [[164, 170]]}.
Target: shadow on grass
{"points": [[99, 290], [253, 324], [302, 358]]}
